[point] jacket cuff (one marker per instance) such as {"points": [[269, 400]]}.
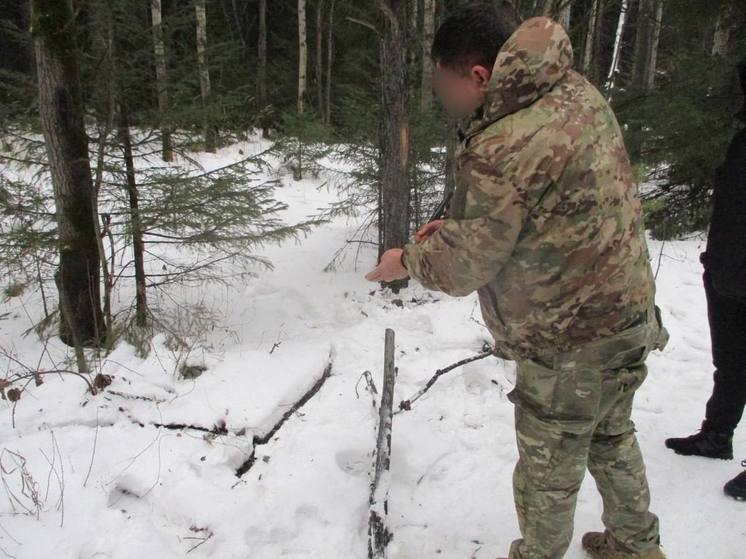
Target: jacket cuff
{"points": [[406, 257]]}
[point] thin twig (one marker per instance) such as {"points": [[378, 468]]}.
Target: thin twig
{"points": [[406, 405]]}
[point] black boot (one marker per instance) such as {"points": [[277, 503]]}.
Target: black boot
{"points": [[736, 487], [710, 444]]}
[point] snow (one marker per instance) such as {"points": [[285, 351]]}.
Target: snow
{"points": [[110, 488]]}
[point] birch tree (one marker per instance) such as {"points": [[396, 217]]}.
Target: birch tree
{"points": [[617, 54], [204, 75], [159, 51]]}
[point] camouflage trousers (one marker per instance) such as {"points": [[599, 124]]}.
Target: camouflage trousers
{"points": [[567, 419]]}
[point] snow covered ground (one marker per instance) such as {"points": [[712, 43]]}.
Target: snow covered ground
{"points": [[88, 477]]}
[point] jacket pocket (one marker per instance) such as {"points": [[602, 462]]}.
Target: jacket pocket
{"points": [[564, 400]]}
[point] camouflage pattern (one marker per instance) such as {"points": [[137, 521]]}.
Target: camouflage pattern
{"points": [[567, 420], [602, 545], [545, 223]]}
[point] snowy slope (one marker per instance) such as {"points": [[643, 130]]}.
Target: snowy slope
{"points": [[109, 488]]}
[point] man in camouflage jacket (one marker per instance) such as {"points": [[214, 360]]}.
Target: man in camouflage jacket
{"points": [[546, 226]]}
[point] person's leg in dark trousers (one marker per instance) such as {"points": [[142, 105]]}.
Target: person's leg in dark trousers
{"points": [[727, 318], [724, 410]]}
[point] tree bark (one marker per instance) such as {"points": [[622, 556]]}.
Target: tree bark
{"points": [[138, 245], [159, 51], [379, 534], [62, 112], [238, 24], [329, 61], [590, 40], [619, 36], [564, 13], [597, 43], [204, 76], [428, 29], [261, 71], [302, 54], [414, 46], [642, 40], [652, 53], [320, 58], [728, 19], [394, 223]]}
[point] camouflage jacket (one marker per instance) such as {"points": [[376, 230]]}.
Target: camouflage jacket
{"points": [[546, 223]]}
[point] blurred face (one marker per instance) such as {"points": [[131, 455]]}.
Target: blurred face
{"points": [[462, 91]]}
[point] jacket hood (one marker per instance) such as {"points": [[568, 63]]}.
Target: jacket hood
{"points": [[535, 57]]}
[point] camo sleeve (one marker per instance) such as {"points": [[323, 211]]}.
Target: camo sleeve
{"points": [[464, 254]]}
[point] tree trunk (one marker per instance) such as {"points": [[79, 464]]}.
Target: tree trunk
{"points": [[237, 22], [428, 29], [117, 95], [261, 78], [138, 245], [204, 76], [320, 58], [564, 12], [414, 47], [590, 40], [329, 60], [597, 43], [616, 58], [159, 50], [395, 131], [727, 20], [103, 226], [125, 138], [302, 54], [642, 40], [379, 534], [652, 53], [61, 111]]}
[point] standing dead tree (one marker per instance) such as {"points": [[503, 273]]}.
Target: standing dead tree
{"points": [[379, 535]]}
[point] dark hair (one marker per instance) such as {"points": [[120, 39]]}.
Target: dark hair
{"points": [[474, 33]]}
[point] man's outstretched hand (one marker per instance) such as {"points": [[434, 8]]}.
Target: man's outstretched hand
{"points": [[389, 268]]}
